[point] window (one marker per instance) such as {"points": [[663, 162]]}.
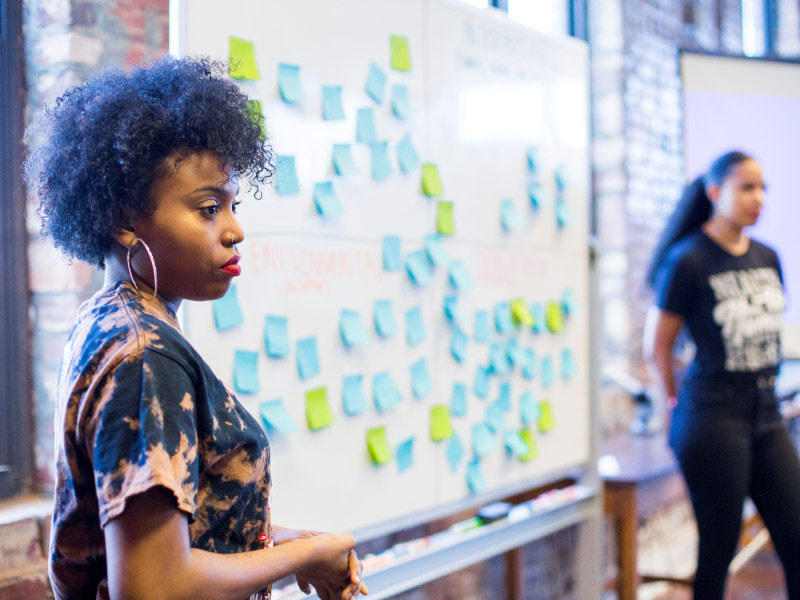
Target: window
{"points": [[754, 28], [547, 16]]}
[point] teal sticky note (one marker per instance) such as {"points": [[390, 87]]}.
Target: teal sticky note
{"points": [[289, 85], [535, 195], [415, 328], [533, 159], [453, 312], [495, 417], [483, 442], [480, 386], [502, 318], [435, 250], [384, 392], [458, 401], [276, 336], [537, 310], [418, 268], [563, 213], [392, 260], [548, 373], [498, 361], [513, 351], [515, 444], [227, 313], [245, 372], [343, 163], [459, 275], [328, 204], [454, 451], [569, 368], [458, 344], [421, 382], [332, 109], [560, 177], [376, 83], [481, 330], [475, 479], [274, 414], [528, 411], [527, 363], [352, 329], [307, 358], [383, 314], [365, 126], [353, 400], [569, 303], [286, 176], [406, 154], [381, 167], [504, 396], [405, 455], [401, 104], [509, 216]]}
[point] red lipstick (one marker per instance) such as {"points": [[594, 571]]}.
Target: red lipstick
{"points": [[231, 267]]}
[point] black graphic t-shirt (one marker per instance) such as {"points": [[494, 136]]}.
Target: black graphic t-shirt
{"points": [[732, 305]]}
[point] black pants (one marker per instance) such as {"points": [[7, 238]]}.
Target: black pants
{"points": [[731, 442]]}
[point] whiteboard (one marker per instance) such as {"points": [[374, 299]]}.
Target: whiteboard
{"points": [[482, 91]]}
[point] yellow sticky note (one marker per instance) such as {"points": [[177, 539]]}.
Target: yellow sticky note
{"points": [[441, 427], [527, 437], [318, 412], [546, 420], [242, 59], [400, 54], [445, 224], [520, 313], [554, 317], [256, 113], [431, 182], [378, 446]]}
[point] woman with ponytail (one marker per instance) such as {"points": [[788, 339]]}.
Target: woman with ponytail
{"points": [[726, 430]]}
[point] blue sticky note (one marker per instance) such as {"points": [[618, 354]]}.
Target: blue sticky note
{"points": [[289, 85], [406, 154], [401, 105], [435, 250], [275, 415], [353, 400], [483, 441], [569, 303], [534, 195], [481, 332], [563, 213], [495, 417], [458, 344], [528, 410], [515, 444], [328, 204], [385, 323], [307, 358], [415, 328], [475, 478], [504, 396], [454, 452], [352, 329], [245, 372], [276, 336], [285, 175], [502, 318], [497, 360], [452, 310], [459, 274], [365, 126], [533, 159], [391, 253], [568, 365], [405, 455], [458, 402], [537, 310], [421, 382], [227, 313], [384, 391], [481, 385], [418, 267], [509, 217], [560, 177], [332, 109], [376, 83], [527, 363], [381, 167], [513, 351], [548, 374], [343, 163]]}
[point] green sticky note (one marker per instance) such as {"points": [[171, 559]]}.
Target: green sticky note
{"points": [[445, 224], [242, 59], [441, 427], [431, 182], [546, 419], [318, 412], [378, 446], [527, 437], [256, 112], [554, 317], [400, 53], [520, 313]]}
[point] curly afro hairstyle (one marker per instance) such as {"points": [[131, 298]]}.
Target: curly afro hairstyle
{"points": [[105, 143]]}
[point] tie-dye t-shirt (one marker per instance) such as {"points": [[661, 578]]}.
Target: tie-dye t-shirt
{"points": [[137, 407]]}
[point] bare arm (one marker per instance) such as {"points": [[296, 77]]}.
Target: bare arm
{"points": [[661, 328]]}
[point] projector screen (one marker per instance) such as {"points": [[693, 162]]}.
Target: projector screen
{"points": [[752, 105]]}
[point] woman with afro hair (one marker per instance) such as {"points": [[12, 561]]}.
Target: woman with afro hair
{"points": [[162, 483]]}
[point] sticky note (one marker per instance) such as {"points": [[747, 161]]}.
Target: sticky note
{"points": [[515, 444], [528, 412], [242, 59], [454, 451], [563, 213], [245, 372], [289, 85], [520, 313], [534, 195], [276, 336], [384, 392], [458, 344], [495, 417], [527, 437], [285, 176], [385, 323], [431, 182], [406, 154], [381, 167], [481, 330], [537, 310], [421, 382], [332, 109], [548, 374], [445, 224], [483, 442], [475, 479], [376, 83], [318, 412], [343, 162], [418, 267], [441, 427], [275, 415], [504, 396], [435, 250], [509, 217], [546, 419], [513, 351], [405, 455], [378, 446], [401, 104], [307, 359], [453, 312], [569, 303], [352, 329], [328, 204], [527, 363], [480, 386], [560, 177], [569, 367], [459, 275], [458, 401], [533, 159], [391, 253], [554, 317], [502, 318], [498, 360], [256, 112], [227, 313], [353, 399], [400, 55], [365, 126], [415, 328]]}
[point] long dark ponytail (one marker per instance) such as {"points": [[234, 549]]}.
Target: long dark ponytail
{"points": [[693, 209]]}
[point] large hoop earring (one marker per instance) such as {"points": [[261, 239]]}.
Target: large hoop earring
{"points": [[152, 264]]}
